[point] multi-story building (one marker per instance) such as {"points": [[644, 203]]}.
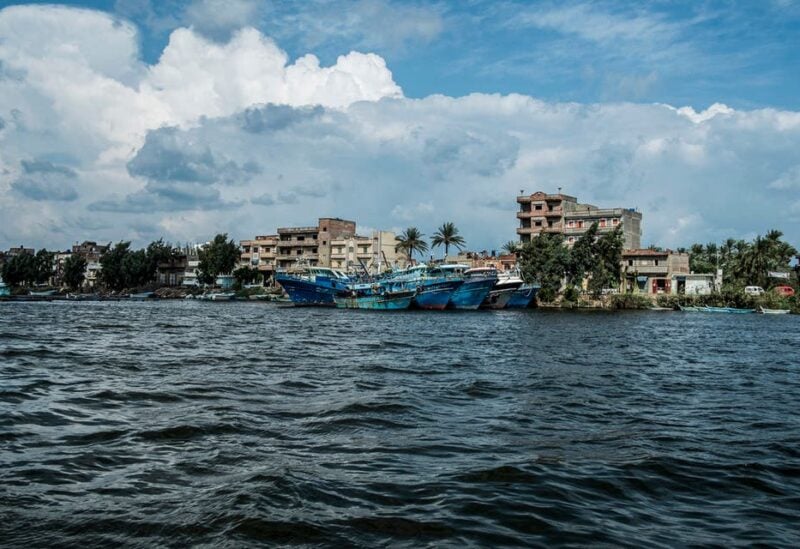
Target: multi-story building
{"points": [[377, 252], [91, 252], [653, 271], [261, 254], [563, 214], [311, 244], [332, 243]]}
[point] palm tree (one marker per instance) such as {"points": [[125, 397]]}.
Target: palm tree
{"points": [[447, 235], [511, 247], [410, 241]]}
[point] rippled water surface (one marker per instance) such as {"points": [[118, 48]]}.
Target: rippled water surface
{"points": [[234, 424]]}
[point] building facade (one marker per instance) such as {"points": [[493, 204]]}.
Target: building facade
{"points": [[92, 252], [563, 214], [653, 271], [333, 243]]}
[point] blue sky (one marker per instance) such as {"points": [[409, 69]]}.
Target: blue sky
{"points": [[741, 53], [134, 118]]}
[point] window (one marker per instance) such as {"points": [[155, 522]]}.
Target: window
{"points": [[655, 262], [570, 224], [324, 229], [299, 252], [571, 239], [615, 221], [630, 263], [538, 223], [603, 222], [538, 207], [324, 243]]}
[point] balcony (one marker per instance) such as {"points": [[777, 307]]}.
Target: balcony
{"points": [[646, 270], [292, 257], [297, 242]]}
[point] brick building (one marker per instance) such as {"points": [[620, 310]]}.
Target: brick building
{"points": [[563, 214]]}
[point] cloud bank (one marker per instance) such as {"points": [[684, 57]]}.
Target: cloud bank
{"points": [[226, 133]]}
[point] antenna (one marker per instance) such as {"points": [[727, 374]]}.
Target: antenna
{"points": [[521, 192], [559, 190]]}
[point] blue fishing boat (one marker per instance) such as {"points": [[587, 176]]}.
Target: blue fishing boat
{"points": [[477, 284], [377, 296], [500, 294], [314, 285], [434, 285], [522, 296]]}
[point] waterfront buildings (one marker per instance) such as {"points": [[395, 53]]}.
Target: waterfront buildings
{"points": [[92, 252], [651, 271], [563, 214], [333, 243]]}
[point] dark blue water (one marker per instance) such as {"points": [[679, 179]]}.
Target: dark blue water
{"points": [[236, 424]]}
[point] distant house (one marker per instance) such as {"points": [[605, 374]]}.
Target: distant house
{"points": [[652, 271]]}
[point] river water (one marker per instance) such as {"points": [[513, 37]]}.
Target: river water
{"points": [[234, 424]]}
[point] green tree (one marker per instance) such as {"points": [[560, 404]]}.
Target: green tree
{"points": [[20, 270], [43, 265], [159, 252], [113, 265], [447, 235], [74, 271], [218, 257], [607, 267], [410, 241], [582, 256], [247, 275], [511, 247], [544, 260]]}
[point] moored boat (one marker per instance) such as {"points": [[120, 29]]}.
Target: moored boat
{"points": [[314, 285], [141, 296], [501, 292], [522, 296], [385, 296], [434, 286], [725, 310], [765, 311], [478, 282]]}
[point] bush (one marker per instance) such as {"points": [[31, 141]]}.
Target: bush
{"points": [[630, 301]]}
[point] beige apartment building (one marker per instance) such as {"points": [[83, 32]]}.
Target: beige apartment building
{"points": [[333, 242], [652, 271], [563, 214]]}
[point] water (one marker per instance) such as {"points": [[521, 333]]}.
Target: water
{"points": [[236, 424]]}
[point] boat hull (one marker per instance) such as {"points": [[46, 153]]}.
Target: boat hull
{"points": [[764, 311], [498, 299], [305, 292], [379, 302], [435, 296], [471, 294], [522, 297]]}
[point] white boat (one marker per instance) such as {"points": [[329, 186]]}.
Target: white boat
{"points": [[764, 311]]}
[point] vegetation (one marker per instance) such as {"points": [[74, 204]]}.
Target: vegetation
{"points": [[219, 257], [123, 267], [511, 247], [447, 235], [547, 261], [74, 272], [28, 269], [744, 263], [411, 240], [246, 275]]}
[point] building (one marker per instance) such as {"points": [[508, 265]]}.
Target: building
{"points": [[376, 252], [19, 250], [652, 271], [501, 262], [563, 214], [332, 243], [696, 284], [311, 244], [92, 252], [172, 271], [260, 253]]}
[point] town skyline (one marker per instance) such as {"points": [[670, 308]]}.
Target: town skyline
{"points": [[167, 121]]}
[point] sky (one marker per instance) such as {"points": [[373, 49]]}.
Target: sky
{"points": [[144, 119]]}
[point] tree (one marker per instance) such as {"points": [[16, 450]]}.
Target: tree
{"points": [[43, 266], [74, 271], [159, 252], [511, 247], [582, 256], [20, 269], [218, 257], [410, 241], [447, 235], [607, 267], [112, 262], [544, 260], [246, 275]]}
